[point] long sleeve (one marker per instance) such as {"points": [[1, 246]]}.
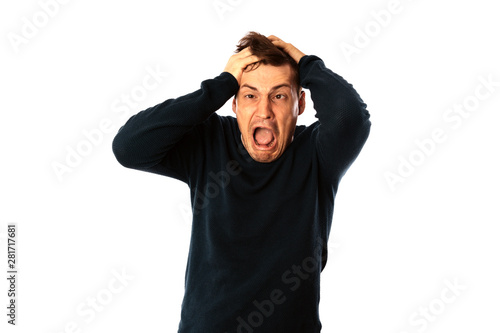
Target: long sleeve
{"points": [[344, 123], [149, 137]]}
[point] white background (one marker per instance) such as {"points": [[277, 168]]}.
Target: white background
{"points": [[392, 248]]}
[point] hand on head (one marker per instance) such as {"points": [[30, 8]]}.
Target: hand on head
{"points": [[239, 62], [295, 53]]}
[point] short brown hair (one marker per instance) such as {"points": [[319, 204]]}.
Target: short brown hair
{"points": [[270, 54]]}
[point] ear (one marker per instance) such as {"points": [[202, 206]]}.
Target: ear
{"points": [[302, 102], [234, 104]]}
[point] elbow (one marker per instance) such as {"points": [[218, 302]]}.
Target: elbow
{"points": [[365, 122], [358, 115], [354, 123], [130, 154], [122, 152], [361, 123], [352, 114]]}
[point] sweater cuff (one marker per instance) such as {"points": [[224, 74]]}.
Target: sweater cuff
{"points": [[231, 81], [304, 62], [307, 59]]}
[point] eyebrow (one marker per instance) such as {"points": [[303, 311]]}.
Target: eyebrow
{"points": [[245, 85]]}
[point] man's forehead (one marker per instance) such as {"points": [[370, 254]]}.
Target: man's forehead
{"points": [[267, 77], [270, 87]]}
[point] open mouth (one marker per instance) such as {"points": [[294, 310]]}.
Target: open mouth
{"points": [[264, 138]]}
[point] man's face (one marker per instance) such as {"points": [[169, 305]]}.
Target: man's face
{"points": [[267, 106]]}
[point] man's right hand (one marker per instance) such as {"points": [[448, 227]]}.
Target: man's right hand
{"points": [[239, 62]]}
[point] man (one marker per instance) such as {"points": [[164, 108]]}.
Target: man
{"points": [[262, 188]]}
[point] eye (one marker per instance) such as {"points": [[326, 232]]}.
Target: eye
{"points": [[279, 96], [249, 96]]}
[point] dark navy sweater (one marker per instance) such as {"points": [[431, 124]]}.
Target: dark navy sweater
{"points": [[260, 230]]}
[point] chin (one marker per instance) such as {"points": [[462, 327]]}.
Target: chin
{"points": [[264, 159]]}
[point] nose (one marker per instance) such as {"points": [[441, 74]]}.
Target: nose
{"points": [[264, 109]]}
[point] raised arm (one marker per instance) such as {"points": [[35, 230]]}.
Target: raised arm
{"points": [[344, 120], [342, 114], [148, 137]]}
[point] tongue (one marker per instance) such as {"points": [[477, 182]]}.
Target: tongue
{"points": [[263, 136]]}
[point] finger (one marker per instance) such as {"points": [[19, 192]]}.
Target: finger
{"points": [[240, 56], [281, 45], [246, 56], [251, 60], [246, 51], [278, 42]]}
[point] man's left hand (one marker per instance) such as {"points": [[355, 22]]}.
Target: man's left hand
{"points": [[295, 53]]}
